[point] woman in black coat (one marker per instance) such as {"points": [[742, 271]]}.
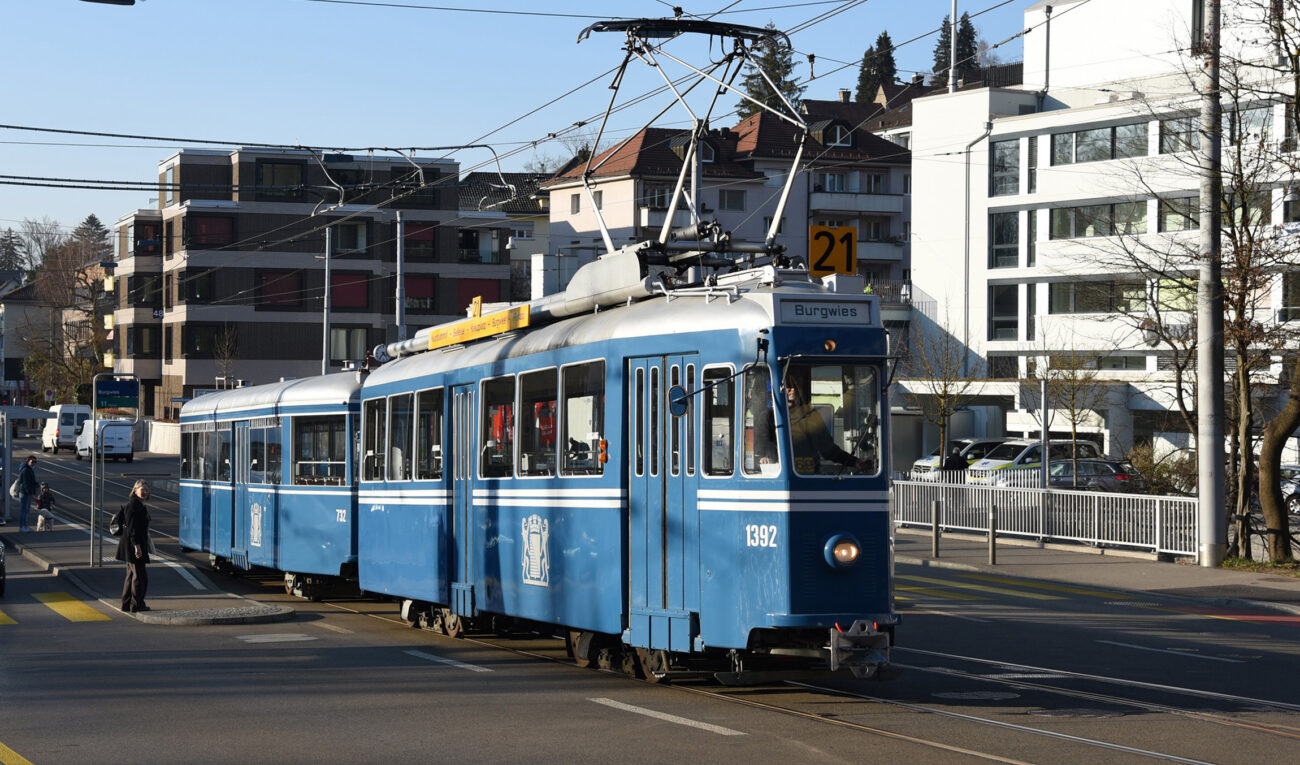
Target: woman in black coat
{"points": [[133, 547]]}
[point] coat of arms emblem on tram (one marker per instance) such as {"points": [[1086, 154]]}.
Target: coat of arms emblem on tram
{"points": [[536, 560]]}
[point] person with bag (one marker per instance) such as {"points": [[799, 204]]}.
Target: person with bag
{"points": [[133, 548], [28, 487]]}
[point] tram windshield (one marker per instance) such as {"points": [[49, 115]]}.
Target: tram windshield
{"points": [[833, 415]]}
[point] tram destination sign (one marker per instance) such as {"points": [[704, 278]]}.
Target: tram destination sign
{"points": [[822, 312], [479, 326]]}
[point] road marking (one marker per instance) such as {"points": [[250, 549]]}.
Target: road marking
{"points": [[6, 619], [938, 593], [452, 662], [70, 608], [10, 757], [1175, 653], [276, 637], [332, 627], [1044, 586], [718, 729], [980, 587], [186, 575]]}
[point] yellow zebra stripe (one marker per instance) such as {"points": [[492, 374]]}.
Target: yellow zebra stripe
{"points": [[70, 608]]}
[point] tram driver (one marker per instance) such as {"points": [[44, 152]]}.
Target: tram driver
{"points": [[810, 435]]}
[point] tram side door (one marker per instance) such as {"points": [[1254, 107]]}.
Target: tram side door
{"points": [[239, 506], [462, 461], [663, 517]]}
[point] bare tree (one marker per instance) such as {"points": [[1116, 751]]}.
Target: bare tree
{"points": [[65, 349], [941, 373], [40, 237], [1075, 392], [225, 351]]}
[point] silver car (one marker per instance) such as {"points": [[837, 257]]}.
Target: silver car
{"points": [[1291, 488]]}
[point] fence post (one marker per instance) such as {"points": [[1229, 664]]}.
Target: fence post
{"points": [[993, 534], [934, 528]]}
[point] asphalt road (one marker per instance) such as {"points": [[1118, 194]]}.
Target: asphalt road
{"points": [[1009, 671]]}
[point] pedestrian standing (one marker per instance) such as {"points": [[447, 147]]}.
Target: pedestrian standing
{"points": [[28, 487], [955, 461], [133, 548]]}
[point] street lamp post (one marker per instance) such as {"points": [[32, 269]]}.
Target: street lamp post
{"points": [[325, 331]]}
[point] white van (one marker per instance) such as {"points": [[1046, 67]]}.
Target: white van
{"points": [[61, 429], [114, 439]]}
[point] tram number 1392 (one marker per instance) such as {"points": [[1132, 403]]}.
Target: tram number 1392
{"points": [[760, 535]]}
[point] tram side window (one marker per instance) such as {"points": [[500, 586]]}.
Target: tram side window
{"points": [[274, 461], [374, 428], [537, 392], [256, 455], [760, 425], [320, 450], [428, 434], [583, 418], [399, 437], [496, 431], [719, 414], [222, 444]]}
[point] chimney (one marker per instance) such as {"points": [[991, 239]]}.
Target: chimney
{"points": [[918, 80], [844, 95]]}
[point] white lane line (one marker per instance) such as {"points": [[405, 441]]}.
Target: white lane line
{"points": [[452, 662], [1175, 653], [718, 729], [276, 637], [187, 576], [331, 627]]}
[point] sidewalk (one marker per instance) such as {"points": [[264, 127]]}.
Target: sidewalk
{"points": [[179, 593], [1102, 568]]}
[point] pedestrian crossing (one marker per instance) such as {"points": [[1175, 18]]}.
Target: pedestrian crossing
{"points": [[69, 607]]}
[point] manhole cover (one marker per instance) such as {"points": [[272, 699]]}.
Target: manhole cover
{"points": [[978, 696]]}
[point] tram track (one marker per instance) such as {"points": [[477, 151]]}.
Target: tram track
{"points": [[64, 477], [837, 718]]}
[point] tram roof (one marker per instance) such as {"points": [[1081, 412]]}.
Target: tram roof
{"points": [[337, 389]]}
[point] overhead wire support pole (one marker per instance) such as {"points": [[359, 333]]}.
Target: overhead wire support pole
{"points": [[1209, 310]]}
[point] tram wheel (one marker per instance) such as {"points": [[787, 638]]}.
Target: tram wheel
{"points": [[579, 646], [290, 583], [452, 625], [653, 663]]}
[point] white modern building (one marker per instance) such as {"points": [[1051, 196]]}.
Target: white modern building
{"points": [[1038, 210]]}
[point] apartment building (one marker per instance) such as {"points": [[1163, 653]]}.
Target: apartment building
{"points": [[507, 206], [1039, 211], [226, 280]]}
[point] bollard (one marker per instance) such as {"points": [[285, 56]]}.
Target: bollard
{"points": [[993, 535], [934, 528]]}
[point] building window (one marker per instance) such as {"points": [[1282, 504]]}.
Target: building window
{"points": [[1248, 126], [1004, 240], [205, 231], [575, 204], [873, 183], [1032, 173], [838, 135], [599, 196], [1098, 144], [350, 238], [169, 186], [141, 341], [707, 154], [656, 195], [146, 238], [278, 289], [199, 340], [875, 229], [144, 291], [1004, 311], [1004, 168], [1004, 367], [1122, 218], [419, 292], [348, 344], [169, 289], [907, 183], [1178, 134], [731, 199], [350, 291], [197, 285], [1290, 297], [1031, 239], [280, 181], [420, 240], [1247, 209], [767, 224], [832, 182], [1132, 363], [168, 347], [1096, 297], [521, 232], [1182, 214]]}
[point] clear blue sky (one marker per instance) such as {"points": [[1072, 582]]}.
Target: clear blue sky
{"points": [[388, 73]]}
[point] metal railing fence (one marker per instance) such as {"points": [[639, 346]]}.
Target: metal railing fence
{"points": [[1159, 524]]}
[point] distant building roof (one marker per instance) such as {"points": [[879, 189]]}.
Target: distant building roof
{"points": [[653, 152], [490, 191]]}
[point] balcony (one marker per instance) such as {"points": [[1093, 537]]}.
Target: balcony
{"points": [[891, 291], [855, 202], [653, 217], [877, 251]]}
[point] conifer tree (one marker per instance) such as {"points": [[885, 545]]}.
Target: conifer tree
{"points": [[777, 61], [967, 60], [878, 68], [12, 251], [92, 239]]}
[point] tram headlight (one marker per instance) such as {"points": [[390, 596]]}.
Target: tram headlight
{"points": [[842, 551]]}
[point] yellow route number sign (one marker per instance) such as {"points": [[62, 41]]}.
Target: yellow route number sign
{"points": [[832, 250]]}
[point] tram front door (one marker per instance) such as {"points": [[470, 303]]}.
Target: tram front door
{"points": [[663, 518]]}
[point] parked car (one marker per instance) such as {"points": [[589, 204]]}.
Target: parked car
{"points": [[1019, 454], [1291, 488], [971, 448], [1096, 475]]}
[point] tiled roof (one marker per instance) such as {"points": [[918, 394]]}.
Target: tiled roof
{"points": [[764, 135], [485, 191], [650, 153]]}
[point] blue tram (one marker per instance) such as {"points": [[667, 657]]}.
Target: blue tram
{"points": [[246, 502]]}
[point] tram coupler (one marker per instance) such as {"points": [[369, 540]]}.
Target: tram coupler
{"points": [[863, 648]]}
